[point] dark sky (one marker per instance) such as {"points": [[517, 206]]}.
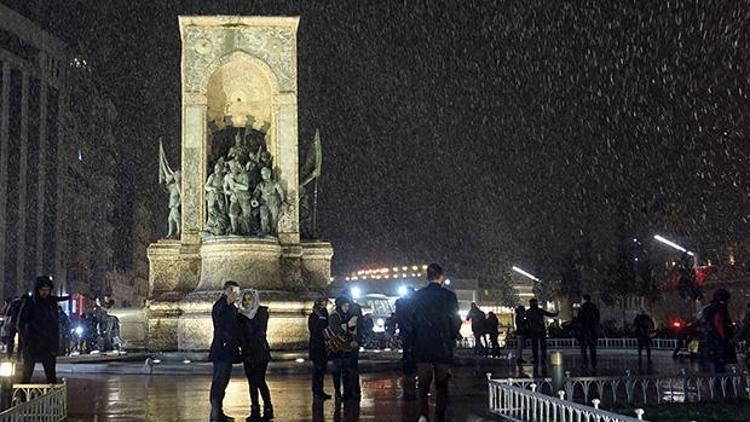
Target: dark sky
{"points": [[476, 132]]}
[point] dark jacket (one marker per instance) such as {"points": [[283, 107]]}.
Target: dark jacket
{"points": [[719, 323], [405, 317], [588, 322], [492, 324], [338, 322], [478, 320], [535, 326], [253, 340], [436, 324], [643, 326], [225, 346], [317, 323], [521, 329], [38, 324]]}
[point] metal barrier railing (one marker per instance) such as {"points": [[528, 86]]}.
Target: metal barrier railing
{"points": [[521, 405], [602, 343], [37, 403]]}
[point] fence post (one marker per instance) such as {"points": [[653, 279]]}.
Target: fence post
{"points": [[639, 412]]}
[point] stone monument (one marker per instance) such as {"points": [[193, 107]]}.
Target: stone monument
{"points": [[239, 187]]}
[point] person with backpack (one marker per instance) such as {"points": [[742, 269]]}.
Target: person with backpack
{"points": [[718, 327], [477, 318], [536, 330], [316, 324], [342, 343], [521, 330], [436, 329]]}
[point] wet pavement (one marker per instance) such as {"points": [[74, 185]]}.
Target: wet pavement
{"points": [[185, 398]]}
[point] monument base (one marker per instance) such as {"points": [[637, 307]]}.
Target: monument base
{"points": [[185, 282]]}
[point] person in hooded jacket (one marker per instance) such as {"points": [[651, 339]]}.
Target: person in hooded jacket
{"points": [[256, 353], [39, 325], [343, 324], [316, 324], [718, 329]]}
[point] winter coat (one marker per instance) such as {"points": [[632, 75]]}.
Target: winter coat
{"points": [[535, 326], [39, 326], [521, 329], [338, 323], [405, 317], [491, 324], [718, 321], [436, 324], [643, 326], [225, 346], [588, 322], [253, 340], [317, 323], [477, 318]]}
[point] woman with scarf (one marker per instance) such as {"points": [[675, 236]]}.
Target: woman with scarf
{"points": [[255, 353]]}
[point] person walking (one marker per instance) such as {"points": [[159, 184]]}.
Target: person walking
{"points": [[405, 322], [521, 331], [225, 347], [644, 327], [256, 353], [588, 331], [344, 325], [718, 327], [316, 324], [536, 330], [491, 327], [477, 318], [436, 329]]}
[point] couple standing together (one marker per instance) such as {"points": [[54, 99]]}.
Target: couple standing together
{"points": [[240, 326]]}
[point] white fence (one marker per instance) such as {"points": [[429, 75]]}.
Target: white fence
{"points": [[38, 403], [522, 405], [602, 343]]}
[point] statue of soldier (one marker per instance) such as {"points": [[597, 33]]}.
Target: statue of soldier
{"points": [[269, 197], [173, 186], [238, 151], [236, 187], [215, 187]]}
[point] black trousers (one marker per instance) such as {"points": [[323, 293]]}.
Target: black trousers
{"points": [[495, 345], [426, 372], [319, 373], [588, 351], [222, 373], [48, 361], [344, 368], [256, 379], [644, 343], [535, 343]]}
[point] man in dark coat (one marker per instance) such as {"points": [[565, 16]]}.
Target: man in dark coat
{"points": [[38, 324], [718, 327], [404, 320], [317, 323], [225, 347], [436, 327], [643, 326], [492, 325], [588, 330], [536, 330]]}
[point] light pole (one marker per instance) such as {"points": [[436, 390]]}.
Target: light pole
{"points": [[678, 247], [525, 274]]}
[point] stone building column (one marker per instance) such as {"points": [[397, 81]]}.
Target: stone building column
{"points": [[41, 184], [288, 165], [21, 282], [4, 132], [194, 138]]}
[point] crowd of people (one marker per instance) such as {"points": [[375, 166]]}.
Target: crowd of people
{"points": [[36, 329]]}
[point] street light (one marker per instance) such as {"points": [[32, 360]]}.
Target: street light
{"points": [[356, 292], [673, 245], [524, 273]]}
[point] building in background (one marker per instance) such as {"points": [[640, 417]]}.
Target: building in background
{"points": [[57, 161]]}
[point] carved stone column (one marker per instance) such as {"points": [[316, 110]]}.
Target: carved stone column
{"points": [[193, 166]]}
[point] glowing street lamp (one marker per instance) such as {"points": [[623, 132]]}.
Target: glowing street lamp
{"points": [[524, 273], [673, 245], [356, 292]]}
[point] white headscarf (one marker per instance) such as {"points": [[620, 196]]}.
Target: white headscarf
{"points": [[250, 311]]}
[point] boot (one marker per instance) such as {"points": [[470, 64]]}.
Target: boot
{"points": [[267, 412], [254, 414]]}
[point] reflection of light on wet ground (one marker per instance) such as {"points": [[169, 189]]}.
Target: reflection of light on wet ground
{"points": [[185, 398]]}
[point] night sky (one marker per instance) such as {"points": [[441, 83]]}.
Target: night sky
{"points": [[474, 133]]}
